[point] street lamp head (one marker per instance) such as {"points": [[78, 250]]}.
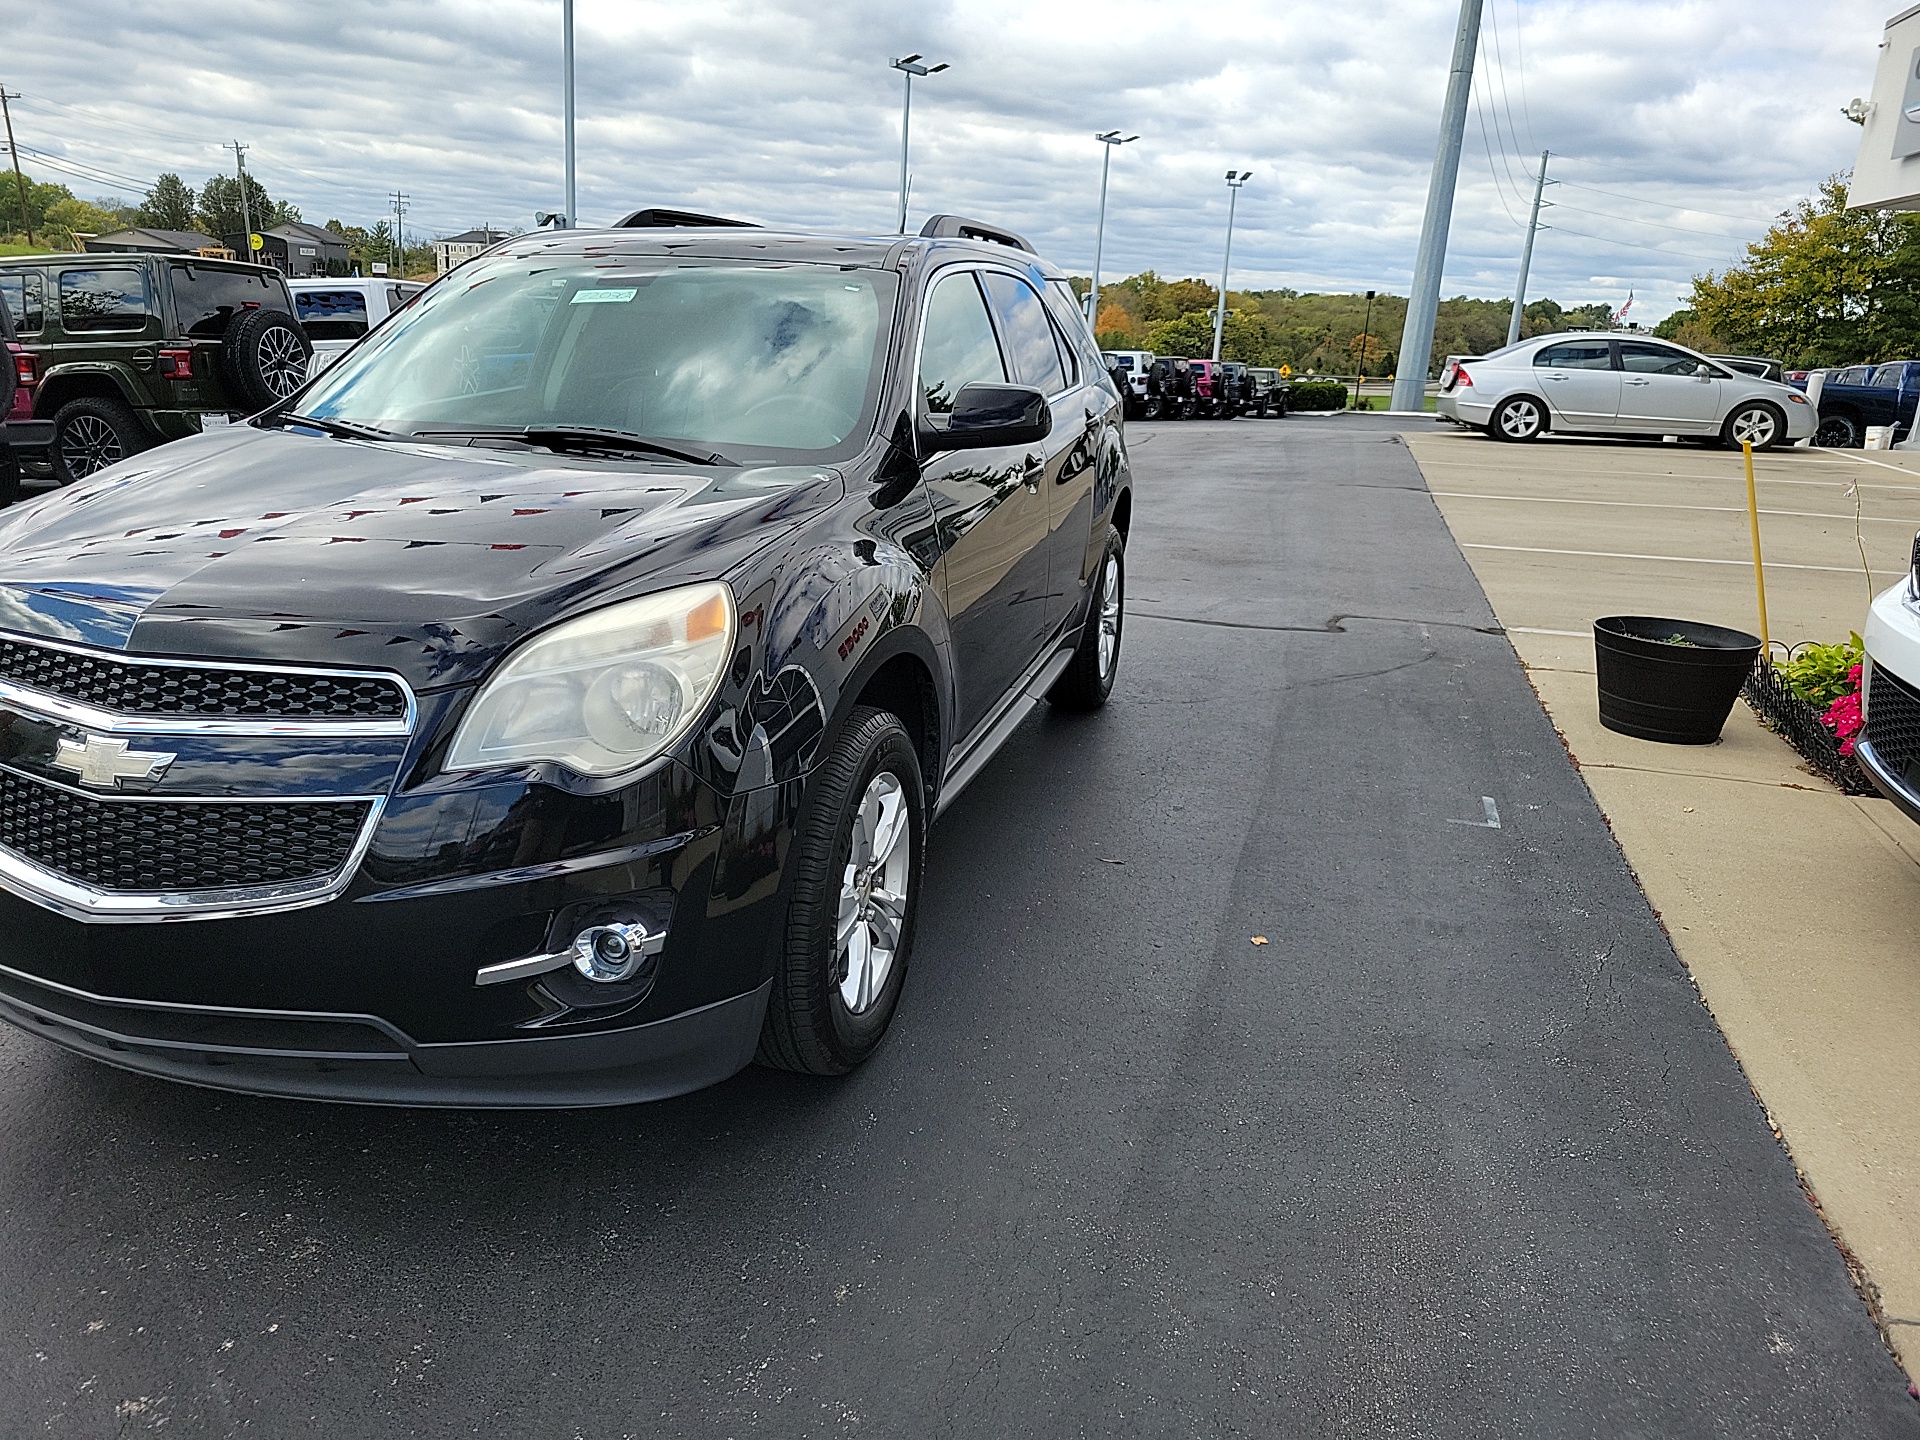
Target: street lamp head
{"points": [[910, 65], [1237, 178], [1114, 137], [908, 59]]}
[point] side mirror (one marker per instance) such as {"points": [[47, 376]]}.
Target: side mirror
{"points": [[1703, 370], [987, 416]]}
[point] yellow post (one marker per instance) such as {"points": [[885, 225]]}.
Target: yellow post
{"points": [[1759, 572]]}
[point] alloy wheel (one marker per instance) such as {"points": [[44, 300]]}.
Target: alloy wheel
{"points": [[873, 894], [1520, 420], [1755, 427], [1109, 616], [283, 362], [87, 444]]}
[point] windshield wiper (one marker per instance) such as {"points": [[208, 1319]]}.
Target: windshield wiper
{"points": [[583, 438], [338, 427]]}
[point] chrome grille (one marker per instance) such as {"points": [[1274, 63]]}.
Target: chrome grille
{"points": [[156, 845], [194, 691]]}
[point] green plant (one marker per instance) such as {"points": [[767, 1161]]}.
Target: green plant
{"points": [[1318, 395], [1678, 640], [1818, 673]]}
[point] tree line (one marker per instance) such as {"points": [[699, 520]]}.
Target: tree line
{"points": [[1310, 332]]}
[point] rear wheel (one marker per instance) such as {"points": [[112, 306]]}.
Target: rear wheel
{"points": [[850, 921], [1754, 423], [91, 433], [1518, 417], [1151, 407], [1088, 681], [1838, 432]]}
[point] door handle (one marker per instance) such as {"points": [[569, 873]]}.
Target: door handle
{"points": [[1553, 377], [1036, 466], [1639, 382]]}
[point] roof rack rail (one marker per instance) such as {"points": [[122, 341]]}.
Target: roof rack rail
{"points": [[958, 227], [658, 219]]}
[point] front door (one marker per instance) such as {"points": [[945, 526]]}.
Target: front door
{"points": [[1579, 383], [1663, 393], [990, 511]]}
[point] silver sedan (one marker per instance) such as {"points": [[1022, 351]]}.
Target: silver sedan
{"points": [[1619, 385]]}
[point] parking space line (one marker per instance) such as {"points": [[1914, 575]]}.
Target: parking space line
{"points": [[1656, 505], [1674, 559]]}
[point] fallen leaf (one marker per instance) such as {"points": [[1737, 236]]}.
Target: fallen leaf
{"points": [[1105, 861], [1259, 939]]}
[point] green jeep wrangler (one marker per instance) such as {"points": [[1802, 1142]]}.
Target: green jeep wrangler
{"points": [[126, 351]]}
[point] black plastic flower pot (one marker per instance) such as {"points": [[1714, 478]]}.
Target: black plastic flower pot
{"points": [[1669, 680]]}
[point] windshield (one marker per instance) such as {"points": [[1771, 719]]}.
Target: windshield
{"points": [[766, 362]]}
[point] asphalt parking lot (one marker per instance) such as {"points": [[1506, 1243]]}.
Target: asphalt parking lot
{"points": [[1458, 1151]]}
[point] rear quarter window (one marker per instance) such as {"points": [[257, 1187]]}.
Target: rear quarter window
{"points": [[106, 299]]}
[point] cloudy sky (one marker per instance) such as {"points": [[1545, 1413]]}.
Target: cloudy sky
{"points": [[1680, 127]]}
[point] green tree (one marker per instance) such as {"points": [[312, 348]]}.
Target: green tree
{"points": [[69, 219], [26, 208], [1825, 286], [168, 205], [219, 212]]}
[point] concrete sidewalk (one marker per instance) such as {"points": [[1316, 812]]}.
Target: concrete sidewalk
{"points": [[1795, 907]]}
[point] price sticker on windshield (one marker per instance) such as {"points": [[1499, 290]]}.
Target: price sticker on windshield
{"points": [[604, 296]]}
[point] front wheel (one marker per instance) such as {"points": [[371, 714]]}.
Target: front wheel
{"points": [[1755, 423], [1519, 417], [1838, 432], [1087, 682], [92, 433], [855, 895]]}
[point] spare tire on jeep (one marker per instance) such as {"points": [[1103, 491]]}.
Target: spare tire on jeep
{"points": [[263, 357]]}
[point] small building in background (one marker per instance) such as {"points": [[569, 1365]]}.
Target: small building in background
{"points": [[141, 240], [299, 250], [458, 249]]}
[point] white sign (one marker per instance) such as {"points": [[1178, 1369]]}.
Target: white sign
{"points": [[1886, 173], [379, 267]]}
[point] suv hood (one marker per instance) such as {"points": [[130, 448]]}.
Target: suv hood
{"points": [[429, 560]]}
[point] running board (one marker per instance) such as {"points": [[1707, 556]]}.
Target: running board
{"points": [[1016, 708]]}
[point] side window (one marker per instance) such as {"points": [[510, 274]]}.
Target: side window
{"points": [[958, 347], [1027, 331], [1079, 339], [332, 314], [1644, 359], [205, 300], [104, 299], [1576, 355], [1888, 375], [26, 301]]}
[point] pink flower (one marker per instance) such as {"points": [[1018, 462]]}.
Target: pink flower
{"points": [[1843, 718], [1853, 676]]}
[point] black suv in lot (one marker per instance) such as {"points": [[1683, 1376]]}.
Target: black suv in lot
{"points": [[546, 705], [128, 351]]}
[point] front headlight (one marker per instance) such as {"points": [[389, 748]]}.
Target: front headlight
{"points": [[606, 692]]}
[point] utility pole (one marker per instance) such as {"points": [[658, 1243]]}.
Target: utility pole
{"points": [[246, 206], [1423, 305], [1526, 254], [399, 233], [909, 66], [566, 47], [1366, 339], [19, 180], [1235, 179], [1110, 141]]}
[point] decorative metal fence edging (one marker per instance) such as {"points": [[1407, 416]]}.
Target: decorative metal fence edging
{"points": [[1799, 724]]}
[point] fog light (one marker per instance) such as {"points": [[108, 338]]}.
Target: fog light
{"points": [[610, 953]]}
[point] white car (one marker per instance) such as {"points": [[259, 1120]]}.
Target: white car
{"points": [[1888, 747], [335, 313], [1619, 385]]}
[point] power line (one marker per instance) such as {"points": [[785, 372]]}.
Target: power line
{"points": [[1663, 204], [81, 170], [1636, 245], [1520, 66], [1480, 116], [1632, 220]]}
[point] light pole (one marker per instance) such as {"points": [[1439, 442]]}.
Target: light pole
{"points": [[1109, 140], [1366, 339], [566, 68], [1235, 179], [909, 66]]}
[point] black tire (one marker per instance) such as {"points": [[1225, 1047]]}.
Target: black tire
{"points": [[1838, 432], [263, 357], [92, 433], [1518, 418], [810, 1026], [1088, 681], [1151, 408], [1756, 421]]}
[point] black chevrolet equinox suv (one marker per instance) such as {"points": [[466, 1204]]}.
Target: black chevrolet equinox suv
{"points": [[546, 705]]}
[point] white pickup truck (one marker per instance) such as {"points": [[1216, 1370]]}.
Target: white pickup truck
{"points": [[337, 312]]}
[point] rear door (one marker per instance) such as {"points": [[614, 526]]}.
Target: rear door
{"points": [[1662, 393], [990, 515], [1579, 383]]}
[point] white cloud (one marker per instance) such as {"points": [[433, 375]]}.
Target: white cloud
{"points": [[1689, 124]]}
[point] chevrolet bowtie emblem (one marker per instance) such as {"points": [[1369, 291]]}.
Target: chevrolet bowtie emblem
{"points": [[105, 764]]}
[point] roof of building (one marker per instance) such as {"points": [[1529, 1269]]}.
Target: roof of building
{"points": [[156, 239], [312, 234], [473, 237]]}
